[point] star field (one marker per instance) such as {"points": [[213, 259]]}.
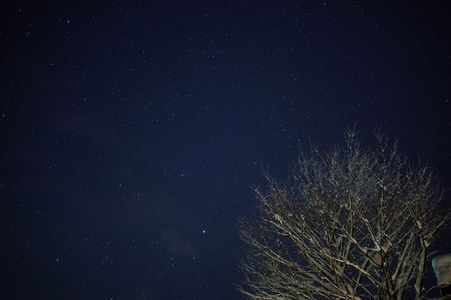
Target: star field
{"points": [[132, 131]]}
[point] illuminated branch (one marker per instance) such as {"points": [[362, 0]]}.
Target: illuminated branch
{"points": [[349, 224]]}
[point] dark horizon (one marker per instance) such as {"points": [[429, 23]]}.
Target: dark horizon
{"points": [[132, 131]]}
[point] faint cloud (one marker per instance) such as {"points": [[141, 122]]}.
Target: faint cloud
{"points": [[87, 126], [177, 245]]}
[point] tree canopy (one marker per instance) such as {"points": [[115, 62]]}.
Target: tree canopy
{"points": [[349, 223]]}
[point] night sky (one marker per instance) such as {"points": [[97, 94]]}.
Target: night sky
{"points": [[132, 131]]}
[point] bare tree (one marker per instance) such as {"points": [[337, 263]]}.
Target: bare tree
{"points": [[350, 223]]}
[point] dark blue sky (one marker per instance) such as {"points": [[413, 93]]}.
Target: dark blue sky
{"points": [[131, 131]]}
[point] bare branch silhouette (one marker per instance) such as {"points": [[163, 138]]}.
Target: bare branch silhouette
{"points": [[349, 223]]}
